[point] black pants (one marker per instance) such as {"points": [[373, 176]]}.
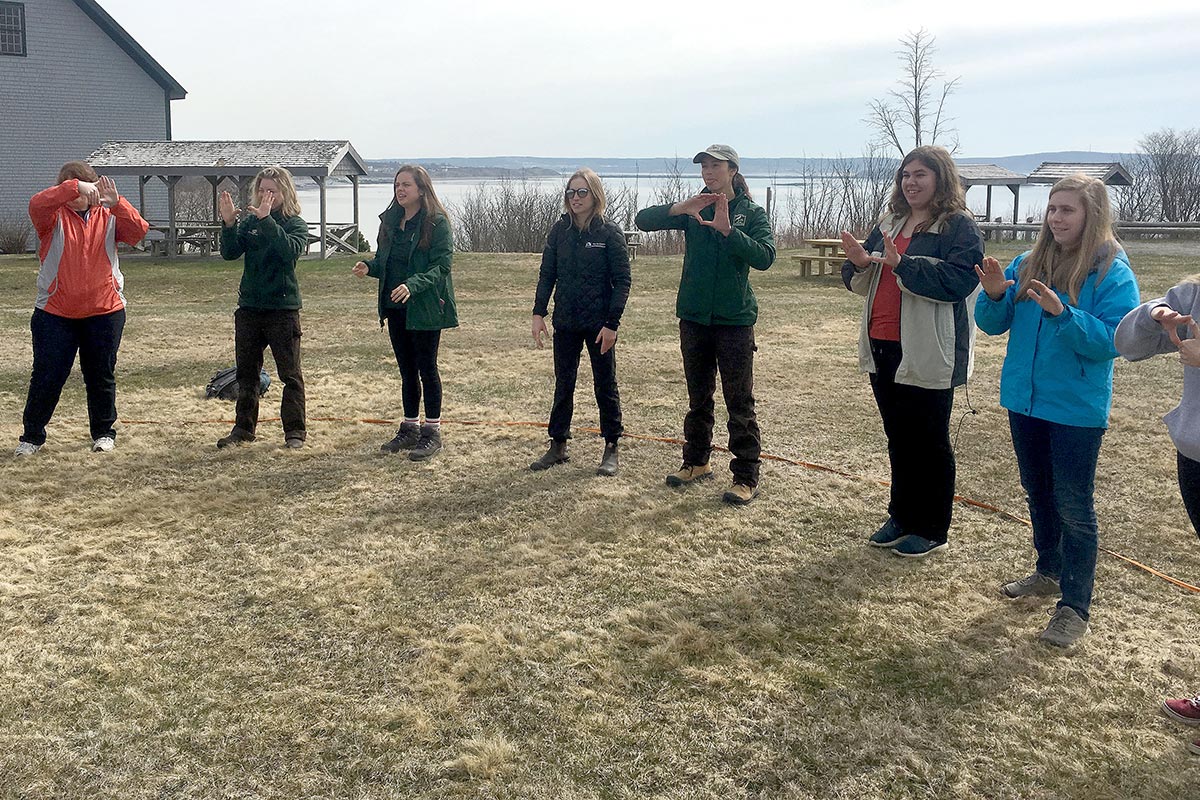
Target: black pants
{"points": [[917, 424], [254, 330], [568, 346], [416, 356], [1189, 487], [56, 340], [728, 349]]}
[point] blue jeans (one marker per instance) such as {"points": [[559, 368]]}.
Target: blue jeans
{"points": [[1058, 472]]}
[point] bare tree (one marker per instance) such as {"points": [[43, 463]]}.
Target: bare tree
{"points": [[915, 111], [1173, 164]]}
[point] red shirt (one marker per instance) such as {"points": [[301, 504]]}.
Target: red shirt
{"points": [[885, 310]]}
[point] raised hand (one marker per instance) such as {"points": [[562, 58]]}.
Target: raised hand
{"points": [[720, 220], [401, 294], [265, 201], [107, 187], [226, 208], [991, 278], [539, 330], [891, 256], [1189, 349], [855, 253], [608, 337], [1170, 320], [359, 269], [693, 205], [90, 192], [1046, 298]]}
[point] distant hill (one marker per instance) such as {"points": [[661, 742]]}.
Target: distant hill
{"points": [[540, 166]]}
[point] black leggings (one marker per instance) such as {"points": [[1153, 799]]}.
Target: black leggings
{"points": [[416, 355], [1189, 487]]}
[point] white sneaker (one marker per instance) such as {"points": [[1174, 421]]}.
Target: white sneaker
{"points": [[104, 444], [26, 449]]}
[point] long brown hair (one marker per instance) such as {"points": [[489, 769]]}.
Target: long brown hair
{"points": [[948, 195], [429, 200], [1065, 269], [80, 170], [595, 187]]}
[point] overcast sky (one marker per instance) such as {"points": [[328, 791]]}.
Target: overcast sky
{"points": [[641, 78]]}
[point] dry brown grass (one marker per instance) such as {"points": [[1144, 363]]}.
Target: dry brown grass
{"points": [[186, 623]]}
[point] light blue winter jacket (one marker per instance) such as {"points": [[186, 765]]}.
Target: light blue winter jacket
{"points": [[1060, 368]]}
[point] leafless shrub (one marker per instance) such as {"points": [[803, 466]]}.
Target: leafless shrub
{"points": [[509, 217], [16, 235], [1173, 167]]}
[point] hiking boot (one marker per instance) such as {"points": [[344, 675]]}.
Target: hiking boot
{"points": [[888, 535], [1035, 585], [293, 443], [1185, 710], [104, 444], [913, 546], [1065, 628], [26, 449], [689, 473], [608, 462], [740, 494], [555, 454], [235, 439], [428, 445], [406, 438]]}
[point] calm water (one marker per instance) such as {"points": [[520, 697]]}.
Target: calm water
{"points": [[374, 198]]}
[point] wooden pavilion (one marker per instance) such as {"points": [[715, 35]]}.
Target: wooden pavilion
{"points": [[238, 161], [990, 175], [1111, 173]]}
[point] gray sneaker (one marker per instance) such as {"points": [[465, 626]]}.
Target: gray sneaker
{"points": [[1035, 585], [1065, 628]]}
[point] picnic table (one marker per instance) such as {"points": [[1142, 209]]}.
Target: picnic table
{"points": [[633, 240], [829, 254]]}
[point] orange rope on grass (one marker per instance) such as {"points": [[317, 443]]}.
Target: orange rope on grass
{"points": [[669, 440]]}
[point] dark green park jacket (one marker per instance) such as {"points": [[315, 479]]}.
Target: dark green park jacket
{"points": [[272, 246], [714, 288], [431, 306]]}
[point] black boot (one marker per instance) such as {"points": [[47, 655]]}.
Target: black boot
{"points": [[428, 445], [608, 462], [405, 439], [556, 454]]}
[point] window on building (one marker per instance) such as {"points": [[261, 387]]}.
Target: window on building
{"points": [[12, 29]]}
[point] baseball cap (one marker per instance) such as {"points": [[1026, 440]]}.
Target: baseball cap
{"points": [[722, 152]]}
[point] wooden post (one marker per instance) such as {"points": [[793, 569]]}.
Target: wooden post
{"points": [[172, 232], [354, 182], [321, 183], [769, 195], [142, 194], [215, 181], [1016, 207]]}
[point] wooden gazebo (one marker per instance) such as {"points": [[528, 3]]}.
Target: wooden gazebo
{"points": [[1111, 173], [990, 175], [169, 161]]}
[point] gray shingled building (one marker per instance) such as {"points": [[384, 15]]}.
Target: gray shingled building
{"points": [[71, 78]]}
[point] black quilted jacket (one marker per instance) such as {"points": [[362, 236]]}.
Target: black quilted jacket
{"points": [[588, 271]]}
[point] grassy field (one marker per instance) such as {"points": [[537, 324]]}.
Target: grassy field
{"points": [[178, 622]]}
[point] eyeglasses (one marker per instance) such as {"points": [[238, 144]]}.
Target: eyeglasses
{"points": [[569, 193]]}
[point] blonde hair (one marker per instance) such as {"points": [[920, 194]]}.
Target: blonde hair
{"points": [[429, 200], [948, 195], [1067, 269], [595, 187], [290, 207]]}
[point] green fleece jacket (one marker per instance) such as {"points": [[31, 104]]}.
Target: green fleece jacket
{"points": [[431, 306], [714, 288], [272, 245]]}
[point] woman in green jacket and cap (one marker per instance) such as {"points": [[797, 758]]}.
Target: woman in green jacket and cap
{"points": [[416, 299], [726, 234]]}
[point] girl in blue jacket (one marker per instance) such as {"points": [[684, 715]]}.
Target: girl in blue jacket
{"points": [[1061, 303]]}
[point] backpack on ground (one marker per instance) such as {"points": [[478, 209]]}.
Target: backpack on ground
{"points": [[224, 384]]}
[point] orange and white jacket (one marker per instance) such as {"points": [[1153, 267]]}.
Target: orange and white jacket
{"points": [[80, 274]]}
